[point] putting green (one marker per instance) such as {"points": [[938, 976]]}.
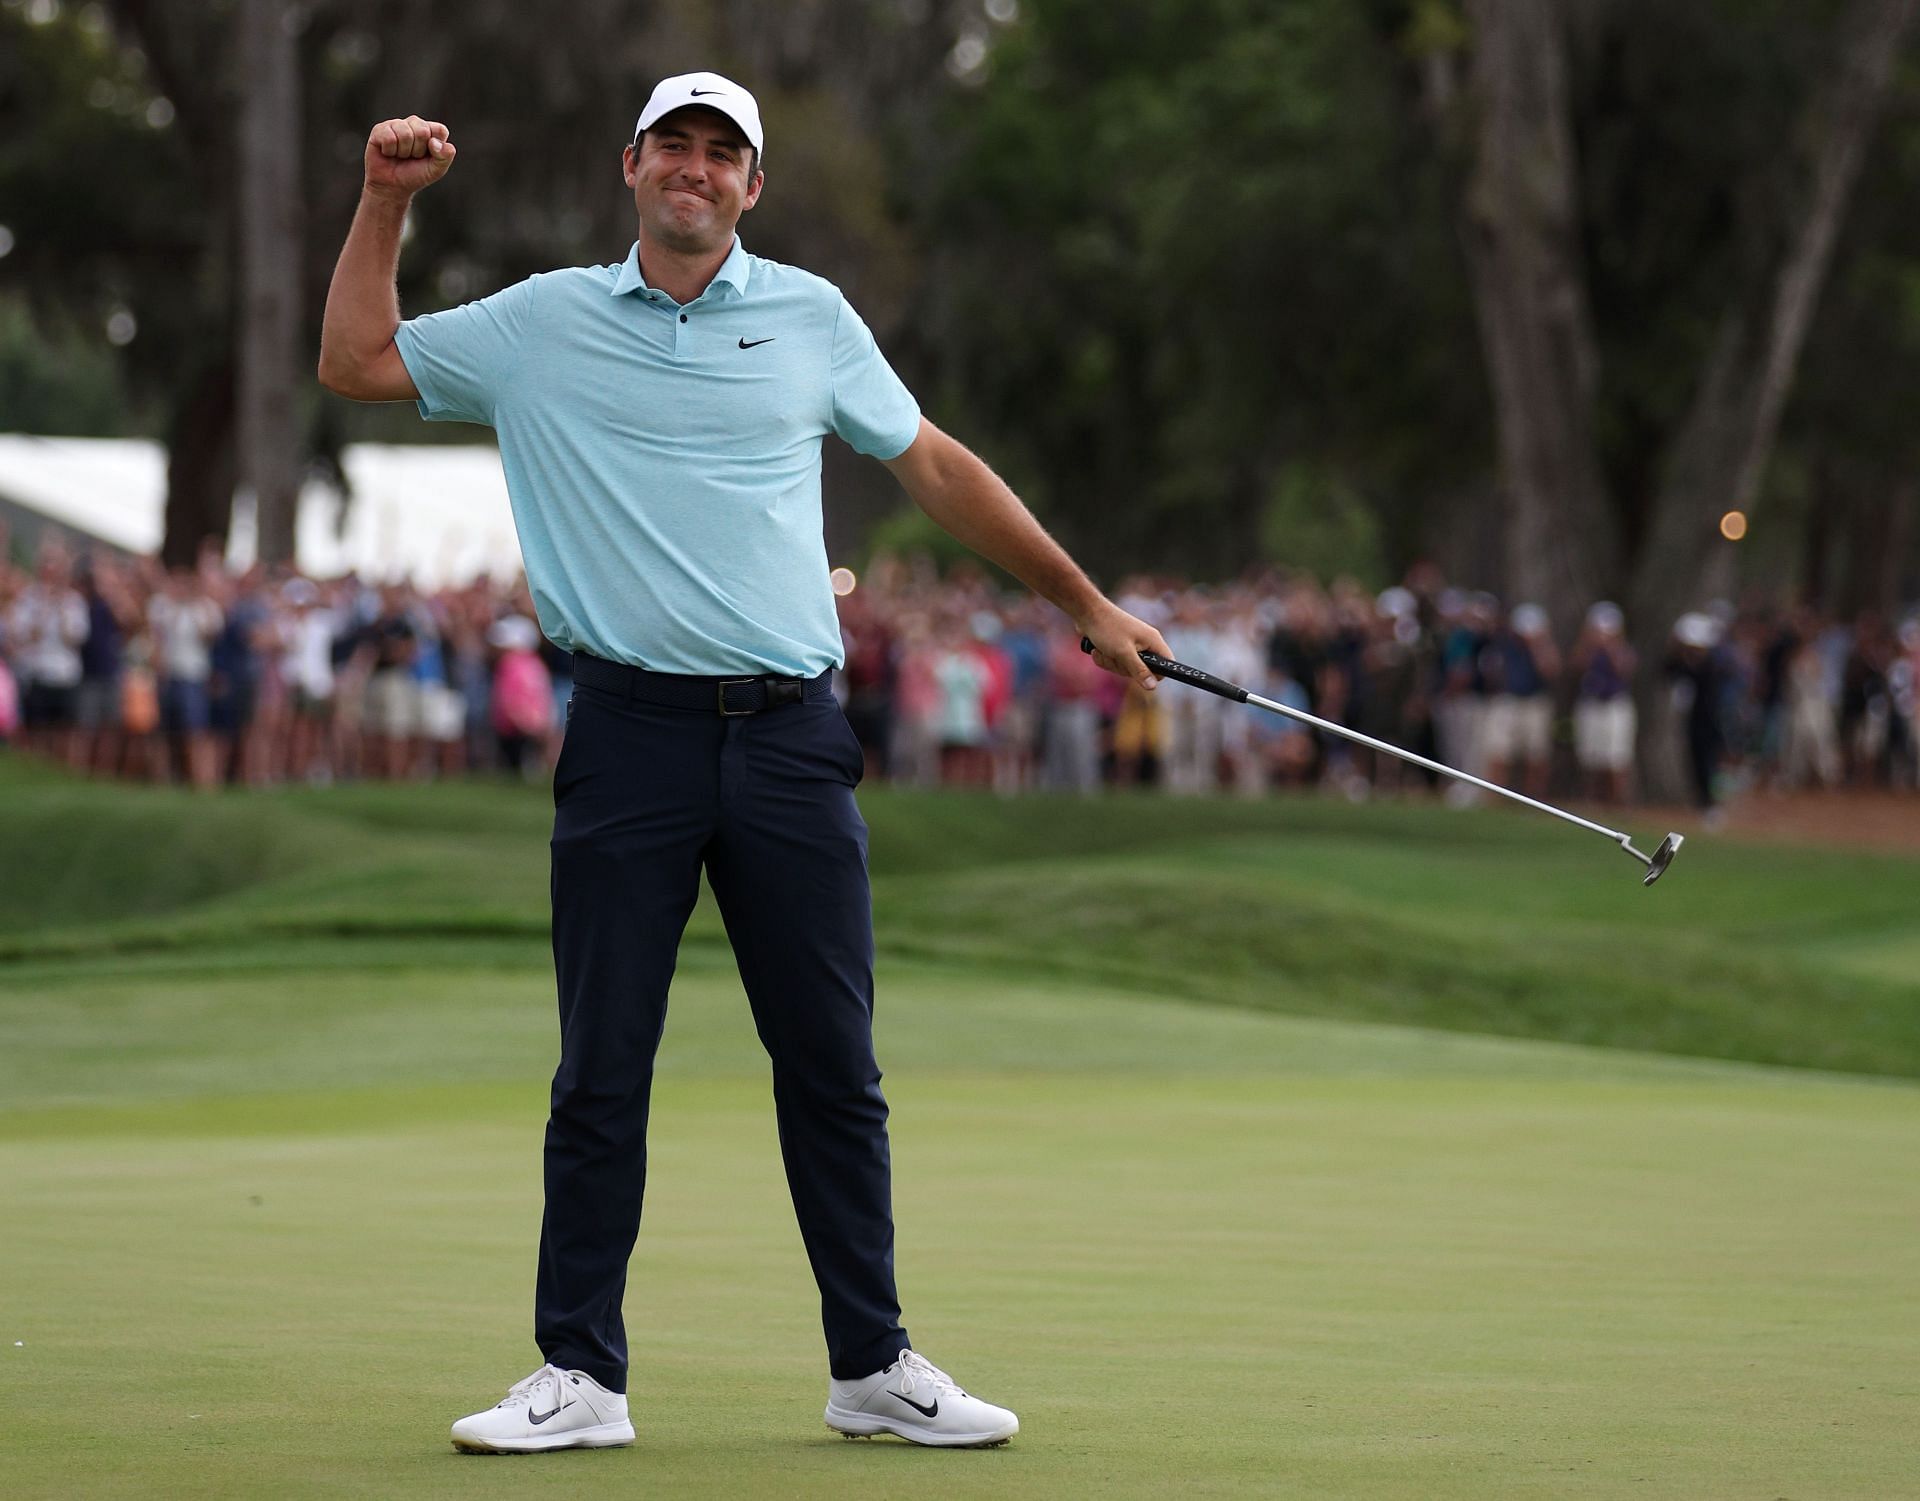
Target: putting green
{"points": [[269, 1227]]}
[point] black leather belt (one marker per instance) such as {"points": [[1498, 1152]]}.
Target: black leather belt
{"points": [[727, 697]]}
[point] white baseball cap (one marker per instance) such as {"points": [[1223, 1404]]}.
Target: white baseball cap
{"points": [[1396, 601], [709, 90], [514, 633], [1529, 620], [1696, 629]]}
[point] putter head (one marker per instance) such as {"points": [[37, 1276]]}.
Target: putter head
{"points": [[1662, 858]]}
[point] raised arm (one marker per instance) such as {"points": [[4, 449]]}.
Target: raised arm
{"points": [[357, 354], [963, 496]]}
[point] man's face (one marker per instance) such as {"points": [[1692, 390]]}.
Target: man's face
{"points": [[689, 180]]}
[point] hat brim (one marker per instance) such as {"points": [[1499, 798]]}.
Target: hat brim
{"points": [[652, 116]]}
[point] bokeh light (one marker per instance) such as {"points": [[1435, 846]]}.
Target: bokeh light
{"points": [[1733, 525]]}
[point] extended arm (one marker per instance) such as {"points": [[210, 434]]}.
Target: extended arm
{"points": [[966, 498], [358, 357]]}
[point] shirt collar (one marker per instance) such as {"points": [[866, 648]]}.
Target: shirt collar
{"points": [[733, 271]]}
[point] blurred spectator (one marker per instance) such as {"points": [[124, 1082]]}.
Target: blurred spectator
{"points": [[914, 754], [1285, 747], [45, 629], [964, 675], [867, 679], [522, 694], [1388, 703], [184, 620], [1022, 646], [1604, 722], [1866, 703], [352, 652], [97, 706], [1238, 657], [1139, 738], [1298, 651], [9, 703], [1697, 672], [1192, 719], [1460, 709], [1071, 733], [442, 707], [142, 756], [1904, 681], [1521, 670], [1810, 734], [307, 630], [233, 682], [391, 717]]}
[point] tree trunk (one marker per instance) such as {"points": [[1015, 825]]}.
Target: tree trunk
{"points": [[1521, 233], [1880, 518], [200, 465], [186, 49], [1817, 547], [1716, 462], [270, 273]]}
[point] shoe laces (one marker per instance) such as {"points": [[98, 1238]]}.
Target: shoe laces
{"points": [[524, 1393], [916, 1370]]}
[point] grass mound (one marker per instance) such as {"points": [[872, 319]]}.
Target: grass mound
{"points": [[1488, 922]]}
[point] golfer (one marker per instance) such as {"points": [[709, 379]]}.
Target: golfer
{"points": [[660, 423]]}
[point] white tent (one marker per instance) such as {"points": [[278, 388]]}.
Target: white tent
{"points": [[436, 514]]}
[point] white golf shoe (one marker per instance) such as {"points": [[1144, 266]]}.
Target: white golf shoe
{"points": [[917, 1400], [551, 1409]]}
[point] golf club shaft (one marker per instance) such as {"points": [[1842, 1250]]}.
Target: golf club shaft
{"points": [[1180, 672]]}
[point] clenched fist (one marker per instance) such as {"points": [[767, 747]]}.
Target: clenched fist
{"points": [[404, 156]]}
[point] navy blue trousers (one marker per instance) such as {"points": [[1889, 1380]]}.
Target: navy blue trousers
{"points": [[645, 797]]}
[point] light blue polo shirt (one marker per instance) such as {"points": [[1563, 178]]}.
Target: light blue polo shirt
{"points": [[664, 461]]}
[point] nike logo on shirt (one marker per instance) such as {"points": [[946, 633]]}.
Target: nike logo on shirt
{"points": [[756, 343]]}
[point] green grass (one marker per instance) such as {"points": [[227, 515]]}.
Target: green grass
{"points": [[1490, 922], [1208, 1158]]}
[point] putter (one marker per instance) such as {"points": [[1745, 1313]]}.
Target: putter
{"points": [[1193, 677]]}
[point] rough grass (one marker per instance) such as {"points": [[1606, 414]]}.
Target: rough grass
{"points": [[1486, 922]]}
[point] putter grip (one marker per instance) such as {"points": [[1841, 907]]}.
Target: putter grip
{"points": [[1193, 677]]}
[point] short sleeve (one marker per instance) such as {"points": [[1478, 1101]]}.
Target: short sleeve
{"points": [[872, 408], [460, 359]]}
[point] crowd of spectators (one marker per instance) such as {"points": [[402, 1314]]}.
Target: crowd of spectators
{"points": [[948, 682], [207, 677]]}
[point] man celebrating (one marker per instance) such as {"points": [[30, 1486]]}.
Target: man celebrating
{"points": [[660, 425]]}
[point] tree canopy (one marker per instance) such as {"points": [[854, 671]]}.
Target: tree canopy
{"points": [[1333, 282]]}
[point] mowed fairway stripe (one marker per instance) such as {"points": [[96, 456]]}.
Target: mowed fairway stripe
{"points": [[267, 1039], [1243, 1284]]}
